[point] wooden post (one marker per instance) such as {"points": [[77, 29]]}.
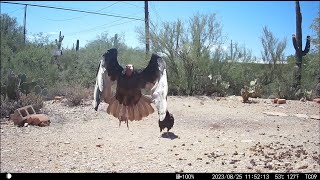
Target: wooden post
{"points": [[231, 51], [25, 24], [146, 11], [115, 41]]}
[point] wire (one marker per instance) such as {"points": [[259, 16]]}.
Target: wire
{"points": [[68, 9], [131, 4], [156, 12], [15, 10], [95, 28], [79, 16]]}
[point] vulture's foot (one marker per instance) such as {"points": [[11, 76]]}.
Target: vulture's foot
{"points": [[125, 120]]}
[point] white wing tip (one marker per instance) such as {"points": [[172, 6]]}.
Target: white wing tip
{"points": [[162, 116]]}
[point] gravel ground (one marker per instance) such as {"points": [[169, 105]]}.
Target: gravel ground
{"points": [[209, 135]]}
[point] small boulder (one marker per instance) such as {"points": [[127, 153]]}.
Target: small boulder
{"points": [[281, 101]]}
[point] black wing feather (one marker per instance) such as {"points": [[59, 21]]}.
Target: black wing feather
{"points": [[152, 72], [112, 65], [108, 70]]}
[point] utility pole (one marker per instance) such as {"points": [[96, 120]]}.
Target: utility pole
{"points": [[231, 51], [25, 24], [146, 12]]}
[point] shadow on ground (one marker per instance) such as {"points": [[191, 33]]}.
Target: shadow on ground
{"points": [[169, 135]]}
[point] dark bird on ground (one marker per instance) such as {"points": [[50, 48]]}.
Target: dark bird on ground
{"points": [[128, 102], [167, 122]]}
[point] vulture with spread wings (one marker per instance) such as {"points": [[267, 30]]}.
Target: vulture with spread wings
{"points": [[128, 102]]}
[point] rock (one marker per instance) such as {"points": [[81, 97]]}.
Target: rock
{"points": [[38, 120], [22, 114], [302, 116], [58, 98], [317, 100], [249, 167], [275, 114], [247, 140], [281, 101], [303, 167], [317, 117], [275, 100]]}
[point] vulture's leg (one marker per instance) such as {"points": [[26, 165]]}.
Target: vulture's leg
{"points": [[120, 116], [127, 115]]}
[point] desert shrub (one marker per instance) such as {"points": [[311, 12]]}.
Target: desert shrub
{"points": [[57, 90], [75, 94], [7, 107], [32, 99]]}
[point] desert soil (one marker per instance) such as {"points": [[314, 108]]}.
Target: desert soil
{"points": [[209, 135]]}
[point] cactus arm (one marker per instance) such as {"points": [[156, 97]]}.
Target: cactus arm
{"points": [[307, 47], [294, 41]]}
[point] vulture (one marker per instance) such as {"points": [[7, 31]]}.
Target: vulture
{"points": [[128, 102]]}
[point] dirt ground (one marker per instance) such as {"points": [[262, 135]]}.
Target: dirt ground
{"points": [[209, 135]]}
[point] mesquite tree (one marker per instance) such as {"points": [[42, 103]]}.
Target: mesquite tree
{"points": [[297, 44]]}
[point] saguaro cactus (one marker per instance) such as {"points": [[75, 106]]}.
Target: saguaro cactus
{"points": [[77, 45], [60, 41], [297, 44], [58, 51], [116, 41]]}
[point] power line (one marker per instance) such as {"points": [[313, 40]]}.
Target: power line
{"points": [[131, 4], [156, 12], [15, 10], [75, 10], [79, 16], [95, 28]]}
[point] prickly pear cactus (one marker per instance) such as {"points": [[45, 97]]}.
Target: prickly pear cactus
{"points": [[245, 94], [44, 92], [24, 88], [12, 87], [40, 88], [255, 89], [37, 89], [23, 78], [3, 90], [41, 82]]}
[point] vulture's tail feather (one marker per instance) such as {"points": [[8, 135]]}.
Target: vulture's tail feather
{"points": [[136, 112]]}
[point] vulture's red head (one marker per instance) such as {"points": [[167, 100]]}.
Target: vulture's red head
{"points": [[129, 70]]}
